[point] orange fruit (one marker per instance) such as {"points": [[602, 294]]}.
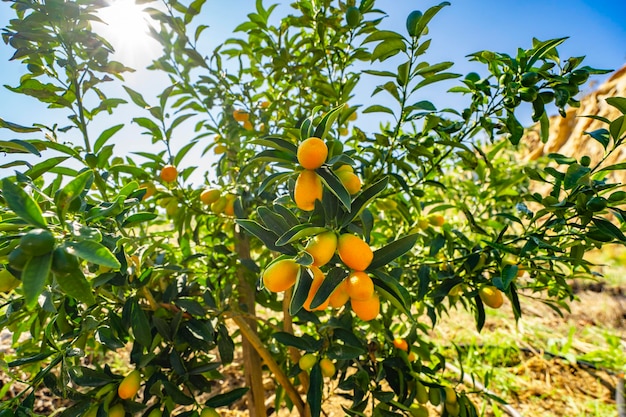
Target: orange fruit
{"points": [[281, 275], [344, 168], [318, 278], [401, 344], [229, 209], [247, 125], [322, 247], [169, 173], [307, 361], [360, 286], [491, 296], [366, 310], [312, 153], [264, 104], [328, 367], [129, 386], [436, 220], [308, 189], [209, 196], [412, 357], [150, 190], [219, 149], [350, 180], [117, 411], [354, 252], [450, 395], [241, 115], [340, 296]]}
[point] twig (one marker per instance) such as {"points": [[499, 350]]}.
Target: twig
{"points": [[479, 386]]}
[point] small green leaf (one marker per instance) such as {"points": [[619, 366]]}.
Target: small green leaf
{"points": [[393, 250], [618, 102], [137, 218], [287, 339], [94, 252], [299, 232], [136, 97], [327, 121], [301, 291], [331, 281], [267, 236], [601, 135], [140, 325], [314, 394], [105, 136], [387, 49], [335, 186], [43, 167], [22, 204], [34, 277], [222, 400], [63, 199], [76, 285], [17, 128], [574, 174], [377, 108], [618, 127]]}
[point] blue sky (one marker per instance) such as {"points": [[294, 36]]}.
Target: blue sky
{"points": [[596, 29]]}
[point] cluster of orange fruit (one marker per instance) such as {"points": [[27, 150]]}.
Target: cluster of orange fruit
{"points": [[312, 154], [217, 202], [243, 116], [358, 287]]}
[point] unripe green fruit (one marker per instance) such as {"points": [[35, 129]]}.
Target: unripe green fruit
{"points": [[579, 77], [596, 203], [91, 160], [353, 16], [434, 396], [585, 161], [421, 394], [63, 262], [37, 242], [18, 258], [411, 22], [529, 79], [528, 93]]}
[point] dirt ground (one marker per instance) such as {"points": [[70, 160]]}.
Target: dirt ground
{"points": [[532, 381]]}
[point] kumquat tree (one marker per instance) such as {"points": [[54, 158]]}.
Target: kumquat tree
{"points": [[316, 253]]}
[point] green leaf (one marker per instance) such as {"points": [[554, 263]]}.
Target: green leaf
{"points": [[136, 97], [541, 49], [314, 394], [364, 198], [574, 174], [22, 204], [273, 220], [544, 125], [34, 277], [562, 159], [515, 128], [618, 102], [618, 127], [287, 339], [377, 108], [392, 290], [140, 325], [432, 69], [428, 16], [279, 144], [435, 78], [602, 136], [222, 400], [301, 291], [177, 395], [327, 121], [609, 228], [64, 197], [268, 237], [331, 281], [43, 167], [335, 186], [76, 285], [387, 49], [299, 232], [18, 146], [393, 250], [17, 128], [105, 136], [94, 252]]}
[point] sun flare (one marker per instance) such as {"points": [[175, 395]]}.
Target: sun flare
{"points": [[127, 28]]}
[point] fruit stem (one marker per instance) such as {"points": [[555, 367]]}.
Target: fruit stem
{"points": [[280, 376]]}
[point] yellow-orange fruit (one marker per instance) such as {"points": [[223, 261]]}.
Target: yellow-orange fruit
{"points": [[354, 252], [264, 104], [491, 296], [209, 196], [312, 153], [308, 189], [436, 220], [281, 275], [344, 168], [360, 286], [169, 173], [219, 149], [150, 190], [318, 278], [117, 411], [307, 361], [322, 247], [366, 310], [229, 209], [247, 125], [350, 180], [412, 357], [450, 395], [401, 344], [339, 296], [209, 412], [241, 115], [328, 367], [129, 386]]}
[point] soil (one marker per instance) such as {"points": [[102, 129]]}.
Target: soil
{"points": [[543, 384]]}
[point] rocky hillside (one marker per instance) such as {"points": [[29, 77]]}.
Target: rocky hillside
{"points": [[567, 135]]}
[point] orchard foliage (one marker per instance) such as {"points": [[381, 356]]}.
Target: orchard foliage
{"points": [[104, 253]]}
